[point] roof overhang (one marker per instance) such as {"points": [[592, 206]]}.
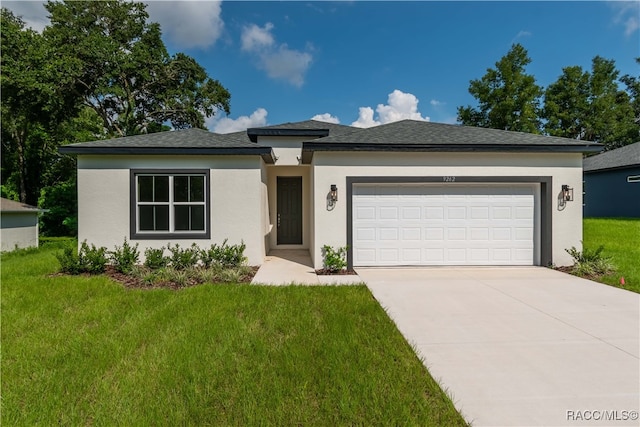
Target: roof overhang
{"points": [[254, 133], [265, 152], [308, 148]]}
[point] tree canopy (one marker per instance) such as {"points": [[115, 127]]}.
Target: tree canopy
{"points": [[98, 70], [122, 70], [585, 105], [508, 97]]}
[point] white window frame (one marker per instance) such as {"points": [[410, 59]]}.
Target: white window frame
{"points": [[633, 179], [136, 233]]}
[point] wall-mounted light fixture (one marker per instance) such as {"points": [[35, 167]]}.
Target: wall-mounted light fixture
{"points": [[333, 195], [567, 193]]}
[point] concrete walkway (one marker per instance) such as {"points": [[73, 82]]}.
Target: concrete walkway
{"points": [[520, 346], [289, 266]]}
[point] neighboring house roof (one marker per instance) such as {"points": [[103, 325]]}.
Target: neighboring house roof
{"points": [[413, 135], [186, 141], [623, 157], [10, 206]]}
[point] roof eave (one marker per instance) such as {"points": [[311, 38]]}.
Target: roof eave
{"points": [[254, 133], [611, 168], [265, 152], [308, 148]]}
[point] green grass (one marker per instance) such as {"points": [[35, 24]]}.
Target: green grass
{"points": [[621, 240], [84, 350]]}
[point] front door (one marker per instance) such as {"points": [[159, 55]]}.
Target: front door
{"points": [[289, 219]]}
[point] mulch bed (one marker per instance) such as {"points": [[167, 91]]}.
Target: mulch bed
{"points": [[131, 282], [569, 270], [327, 272]]}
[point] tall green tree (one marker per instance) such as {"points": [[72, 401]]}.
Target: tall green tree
{"points": [[633, 89], [566, 104], [35, 99], [508, 98], [591, 106], [122, 70], [99, 70]]}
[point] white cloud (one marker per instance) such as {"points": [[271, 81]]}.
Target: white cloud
{"points": [[32, 13], [226, 125], [254, 37], [278, 60], [627, 15], [188, 24], [365, 118], [400, 106], [436, 103], [327, 118], [521, 34]]}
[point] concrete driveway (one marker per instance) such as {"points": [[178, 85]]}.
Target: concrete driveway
{"points": [[520, 346]]}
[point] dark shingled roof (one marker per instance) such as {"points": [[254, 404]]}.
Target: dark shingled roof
{"points": [[405, 135], [413, 135], [311, 128], [335, 129], [7, 205], [186, 141], [623, 157]]}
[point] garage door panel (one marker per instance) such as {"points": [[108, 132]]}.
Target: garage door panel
{"points": [[443, 225]]}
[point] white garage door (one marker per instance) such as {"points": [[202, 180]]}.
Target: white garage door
{"points": [[456, 224]]}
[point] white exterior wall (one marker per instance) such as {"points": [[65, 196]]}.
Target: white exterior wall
{"points": [[330, 227], [236, 197], [286, 149], [19, 229]]}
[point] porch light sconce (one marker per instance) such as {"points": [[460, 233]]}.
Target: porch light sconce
{"points": [[567, 193], [333, 195]]}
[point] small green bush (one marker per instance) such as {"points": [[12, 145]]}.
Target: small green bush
{"points": [[125, 258], [590, 263], [68, 260], [224, 255], [91, 259], [183, 258], [155, 259], [88, 259], [334, 259]]}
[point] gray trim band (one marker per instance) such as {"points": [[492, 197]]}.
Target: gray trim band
{"points": [[546, 202], [308, 148]]}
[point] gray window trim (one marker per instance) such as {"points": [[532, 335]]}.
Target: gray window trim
{"points": [[546, 202], [135, 235]]}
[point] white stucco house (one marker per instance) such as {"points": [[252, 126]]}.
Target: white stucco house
{"points": [[18, 225], [404, 193]]}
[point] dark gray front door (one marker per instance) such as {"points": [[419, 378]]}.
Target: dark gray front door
{"points": [[289, 210]]}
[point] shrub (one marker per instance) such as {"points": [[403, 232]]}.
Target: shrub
{"points": [[334, 259], [68, 260], [224, 255], [91, 259], [155, 259], [88, 259], [590, 262], [184, 258], [125, 257]]}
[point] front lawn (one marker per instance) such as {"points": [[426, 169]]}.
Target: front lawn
{"points": [[85, 350], [621, 240]]}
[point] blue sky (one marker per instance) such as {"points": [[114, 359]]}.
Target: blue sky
{"points": [[367, 63]]}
